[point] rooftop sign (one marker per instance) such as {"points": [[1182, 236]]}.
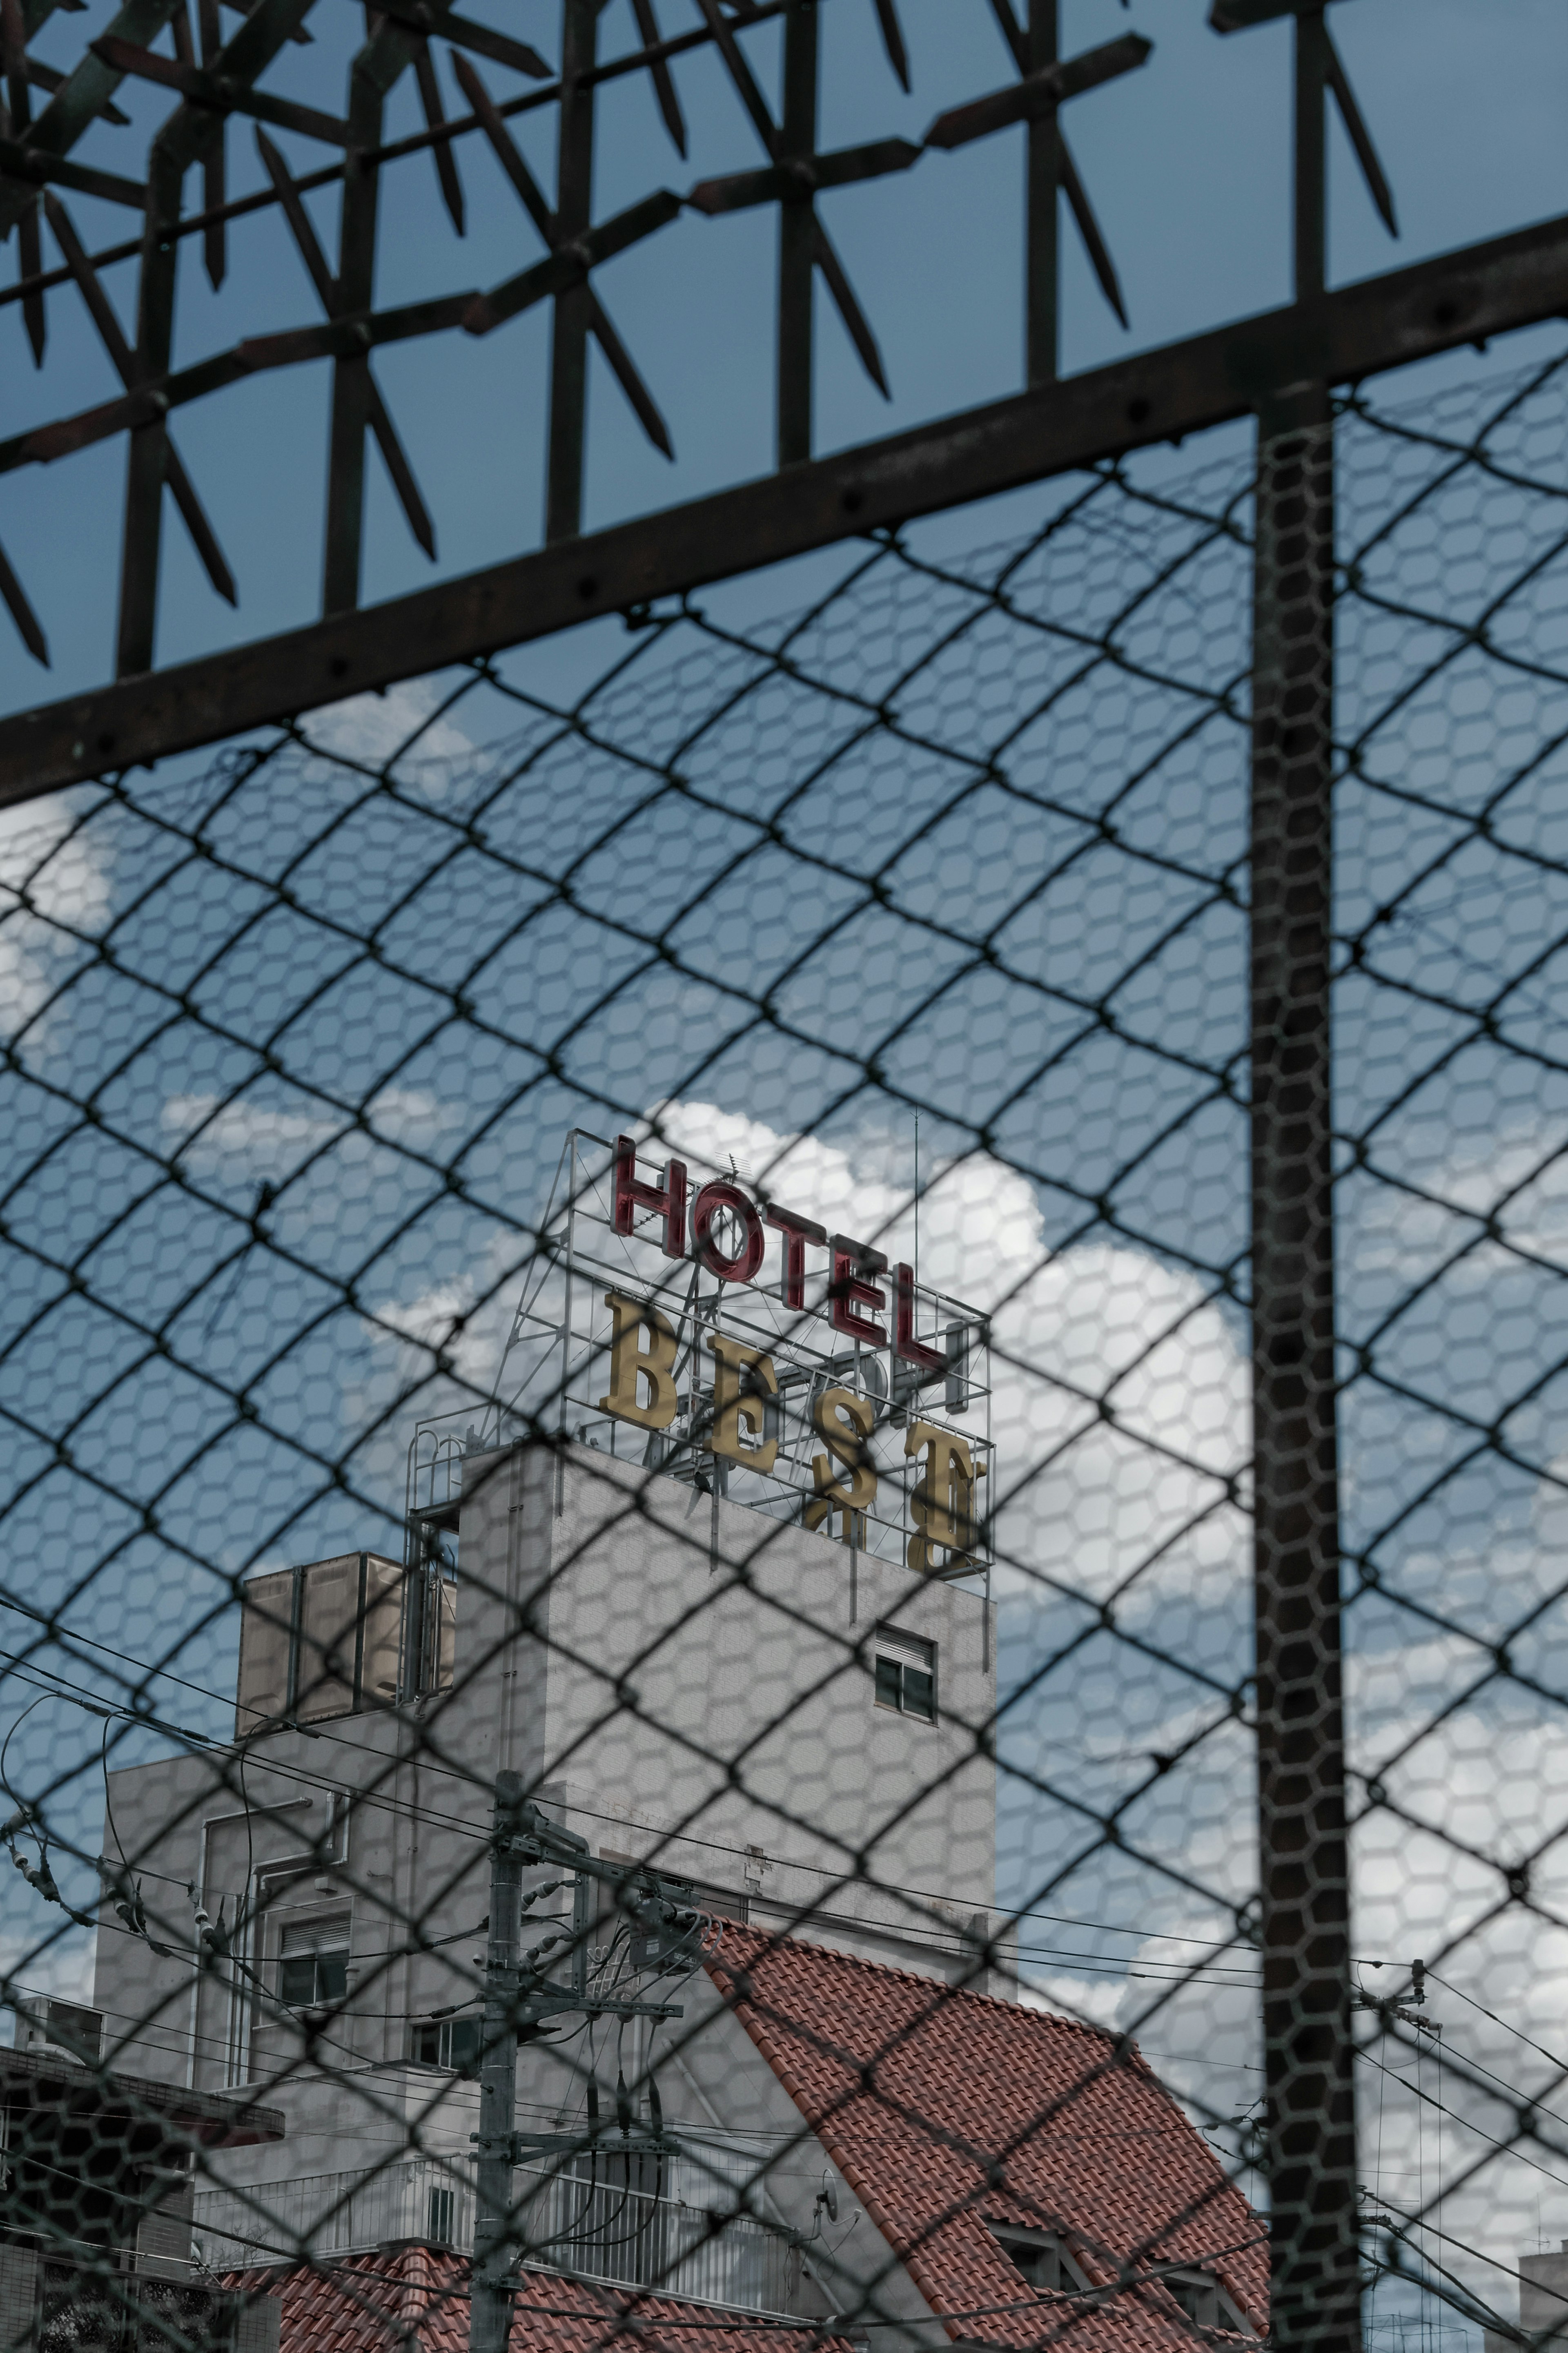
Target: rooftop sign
{"points": [[721, 1337]]}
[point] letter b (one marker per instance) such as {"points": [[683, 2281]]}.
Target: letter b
{"points": [[630, 1358]]}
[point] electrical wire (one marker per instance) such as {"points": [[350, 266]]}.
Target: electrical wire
{"points": [[6, 1751], [60, 1687], [706, 1845], [1079, 1964], [1514, 2092], [1506, 2148], [1560, 2064], [1086, 1964], [285, 1773]]}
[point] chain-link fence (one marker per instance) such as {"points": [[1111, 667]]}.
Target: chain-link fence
{"points": [[629, 1306]]}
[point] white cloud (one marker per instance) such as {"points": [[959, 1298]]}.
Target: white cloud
{"points": [[1517, 1173], [55, 880], [1491, 1784], [1431, 2107], [1079, 1501], [371, 729], [1489, 1781], [271, 1141]]}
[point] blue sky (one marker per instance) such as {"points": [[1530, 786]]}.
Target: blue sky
{"points": [[1187, 163]]}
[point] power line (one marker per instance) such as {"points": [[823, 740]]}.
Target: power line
{"points": [[435, 1819], [62, 1688], [1560, 2064], [1505, 2148]]}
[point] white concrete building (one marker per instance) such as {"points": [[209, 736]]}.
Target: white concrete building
{"points": [[798, 1729]]}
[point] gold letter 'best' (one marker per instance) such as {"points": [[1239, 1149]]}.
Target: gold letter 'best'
{"points": [[734, 1407], [655, 1363], [844, 1422], [942, 1505]]}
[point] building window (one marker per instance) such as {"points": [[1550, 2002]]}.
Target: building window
{"points": [[313, 1964], [441, 2218], [453, 2043], [1041, 2259], [1204, 2301], [906, 1673]]}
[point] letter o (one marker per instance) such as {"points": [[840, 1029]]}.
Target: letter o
{"points": [[742, 1267]]}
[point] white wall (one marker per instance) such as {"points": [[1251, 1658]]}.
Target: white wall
{"points": [[672, 1636]]}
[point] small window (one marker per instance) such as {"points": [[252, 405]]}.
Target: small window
{"points": [[313, 1966], [1042, 2259], [454, 2043], [1204, 2300], [906, 1673], [442, 2215]]}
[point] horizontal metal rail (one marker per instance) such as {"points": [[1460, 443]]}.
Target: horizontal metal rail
{"points": [[1356, 331]]}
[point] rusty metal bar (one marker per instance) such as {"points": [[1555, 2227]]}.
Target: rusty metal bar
{"points": [[1310, 223], [1046, 81], [351, 374], [81, 96], [392, 47], [575, 307], [509, 156], [797, 237], [1356, 331], [123, 359], [1317, 69], [214, 167], [145, 459], [139, 21], [1042, 300], [321, 277], [189, 134]]}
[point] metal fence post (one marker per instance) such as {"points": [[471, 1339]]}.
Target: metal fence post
{"points": [[1304, 1869], [490, 2311]]}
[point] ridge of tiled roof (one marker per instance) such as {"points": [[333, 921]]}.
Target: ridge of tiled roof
{"points": [[415, 2299], [945, 2109]]}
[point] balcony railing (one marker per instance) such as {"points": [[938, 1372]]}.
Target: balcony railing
{"points": [[586, 2226]]}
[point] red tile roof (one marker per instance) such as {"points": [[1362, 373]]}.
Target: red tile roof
{"points": [[943, 2108], [417, 2298]]}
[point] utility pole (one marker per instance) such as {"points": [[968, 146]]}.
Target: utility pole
{"points": [[520, 1995], [490, 2309]]}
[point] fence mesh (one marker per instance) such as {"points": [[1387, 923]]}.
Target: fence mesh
{"points": [[893, 1838]]}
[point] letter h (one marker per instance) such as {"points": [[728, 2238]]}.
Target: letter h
{"points": [[668, 1199]]}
